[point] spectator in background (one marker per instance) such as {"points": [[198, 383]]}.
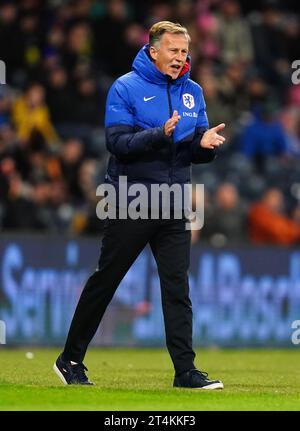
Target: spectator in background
{"points": [[215, 107], [290, 121], [4, 110], [225, 220], [110, 30], [291, 38], [31, 38], [184, 12], [133, 39], [59, 210], [77, 51], [43, 164], [86, 220], [60, 97], [12, 148], [23, 202], [269, 42], [159, 10], [10, 39], [295, 213], [268, 223], [55, 38], [293, 96], [71, 159], [30, 113], [232, 90], [75, 110], [257, 92], [234, 34], [263, 136], [88, 108], [208, 42]]}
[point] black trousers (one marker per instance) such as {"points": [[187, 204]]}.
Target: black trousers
{"points": [[123, 241]]}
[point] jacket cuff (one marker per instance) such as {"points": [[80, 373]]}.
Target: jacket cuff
{"points": [[159, 138], [203, 155]]}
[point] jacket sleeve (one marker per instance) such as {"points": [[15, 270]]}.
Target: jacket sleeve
{"points": [[122, 138], [199, 154]]}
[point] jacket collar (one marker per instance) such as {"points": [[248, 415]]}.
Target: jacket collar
{"points": [[144, 66]]}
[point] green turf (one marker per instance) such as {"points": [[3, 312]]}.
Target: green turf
{"points": [[142, 380]]}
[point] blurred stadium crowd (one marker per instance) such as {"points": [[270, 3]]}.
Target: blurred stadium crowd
{"points": [[62, 56]]}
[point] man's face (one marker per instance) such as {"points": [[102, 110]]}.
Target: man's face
{"points": [[170, 56]]}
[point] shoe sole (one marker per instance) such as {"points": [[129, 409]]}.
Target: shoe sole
{"points": [[59, 374], [212, 386]]}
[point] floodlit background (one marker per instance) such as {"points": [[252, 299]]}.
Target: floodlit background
{"points": [[61, 58]]}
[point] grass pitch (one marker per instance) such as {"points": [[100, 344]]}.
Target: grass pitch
{"points": [[132, 379]]}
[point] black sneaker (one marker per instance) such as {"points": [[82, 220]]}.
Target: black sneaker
{"points": [[71, 374], [196, 379]]}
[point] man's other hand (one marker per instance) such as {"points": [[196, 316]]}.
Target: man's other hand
{"points": [[170, 125], [211, 138]]}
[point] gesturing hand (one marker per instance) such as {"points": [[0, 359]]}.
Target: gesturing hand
{"points": [[211, 138], [170, 125]]}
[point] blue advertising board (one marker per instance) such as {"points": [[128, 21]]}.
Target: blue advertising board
{"points": [[247, 296]]}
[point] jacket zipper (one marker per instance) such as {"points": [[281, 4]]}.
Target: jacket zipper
{"points": [[172, 149]]}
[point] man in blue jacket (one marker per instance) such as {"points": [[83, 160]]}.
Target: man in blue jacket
{"points": [[156, 126]]}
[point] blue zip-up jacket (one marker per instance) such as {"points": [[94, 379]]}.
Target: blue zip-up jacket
{"points": [[138, 105]]}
